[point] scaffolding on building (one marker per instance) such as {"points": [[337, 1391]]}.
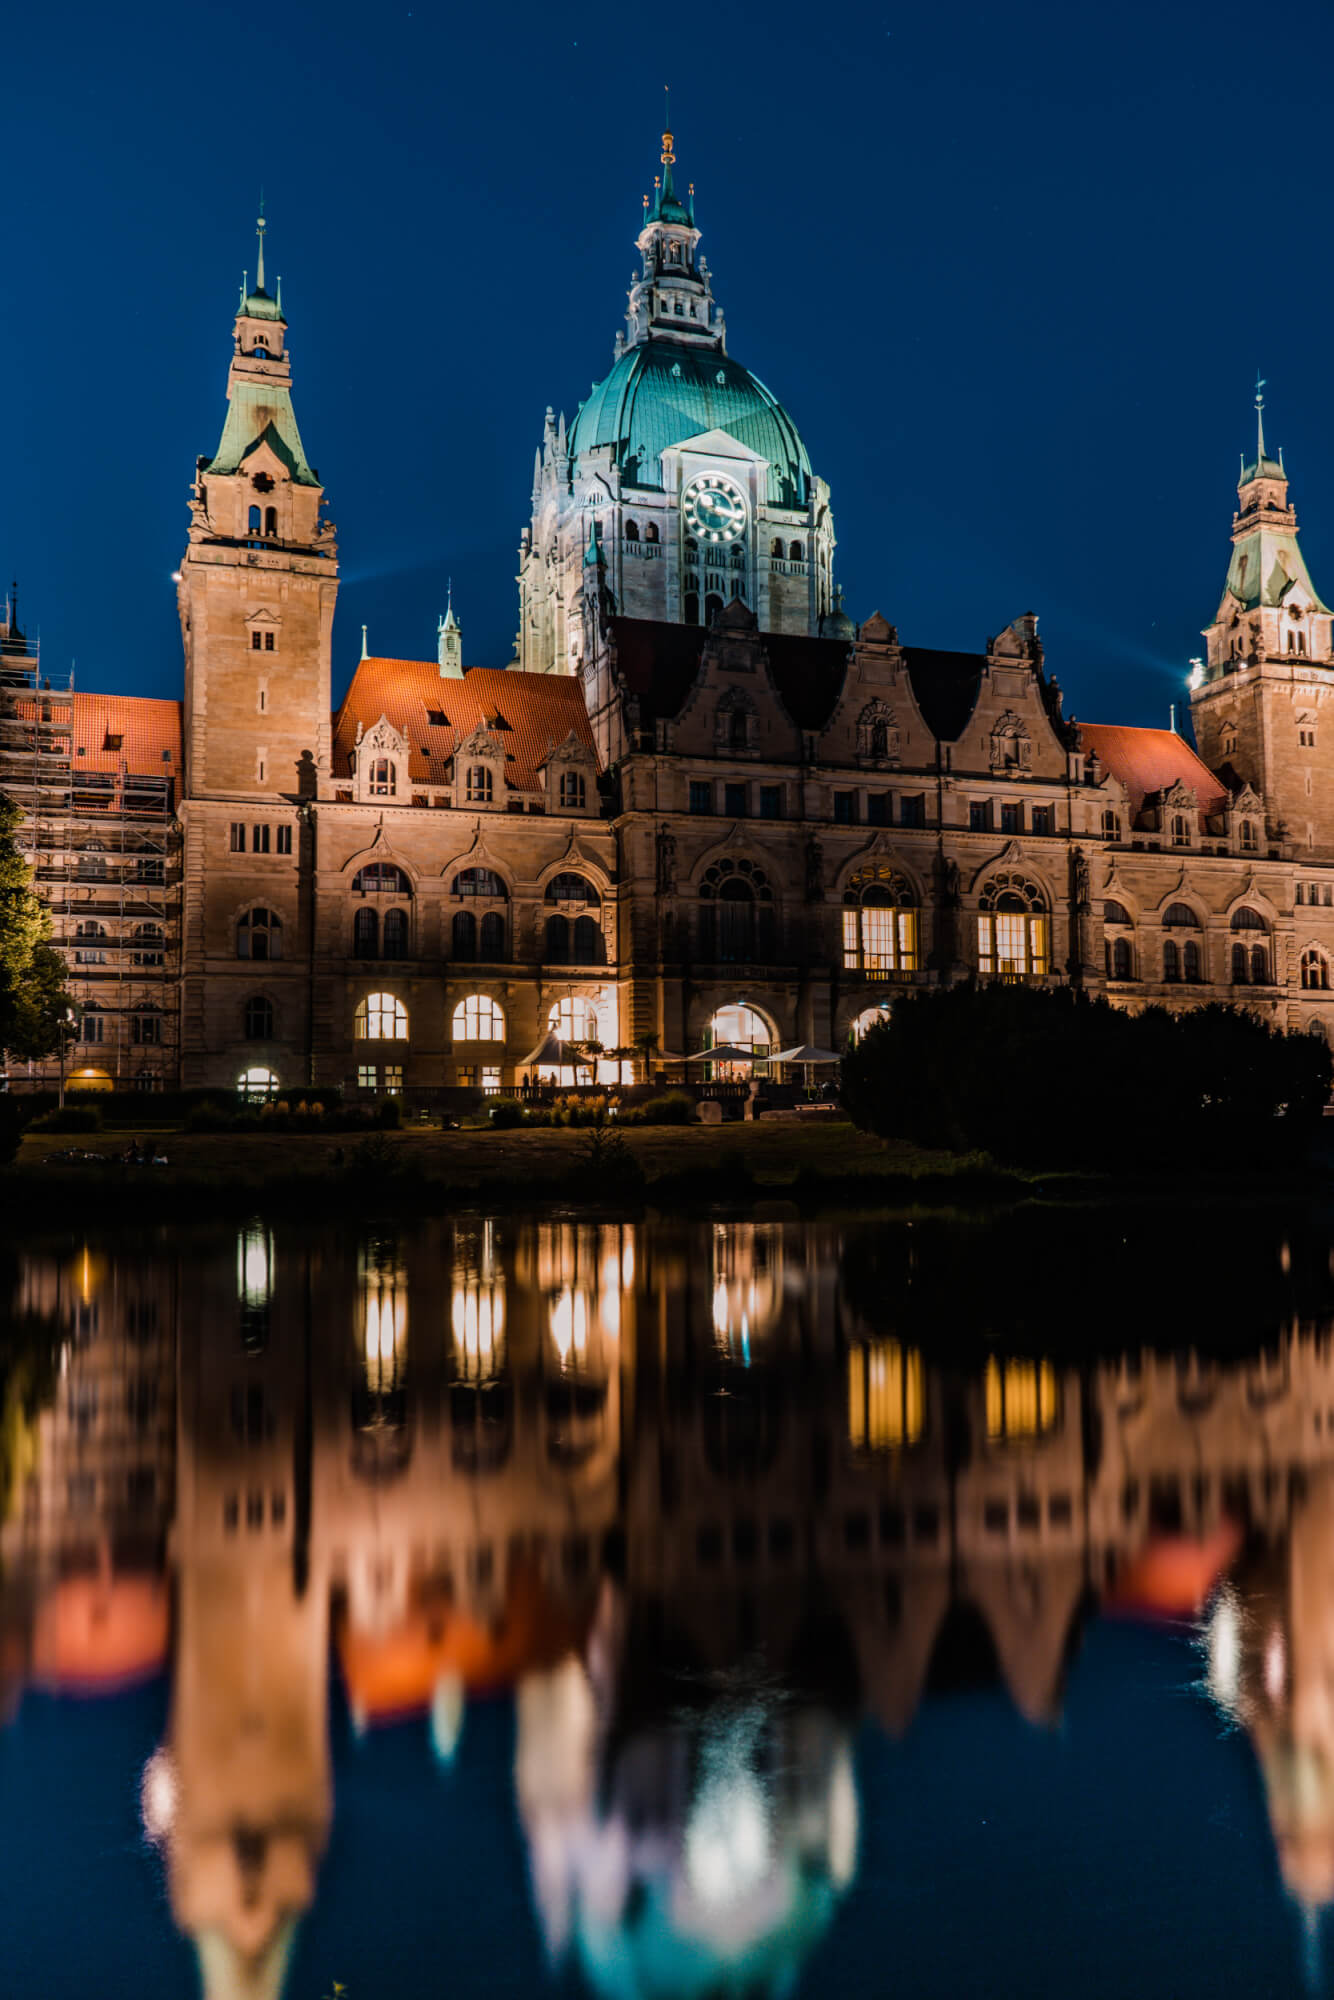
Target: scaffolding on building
{"points": [[102, 847]]}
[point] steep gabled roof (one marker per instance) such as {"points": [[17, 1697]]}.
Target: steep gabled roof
{"points": [[945, 687], [659, 663], [1149, 760], [114, 732], [528, 712]]}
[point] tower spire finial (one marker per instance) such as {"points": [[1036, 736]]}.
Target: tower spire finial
{"points": [[668, 156], [1259, 420], [259, 229]]}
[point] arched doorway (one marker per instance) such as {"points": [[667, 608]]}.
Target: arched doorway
{"points": [[868, 1018], [741, 1027]]}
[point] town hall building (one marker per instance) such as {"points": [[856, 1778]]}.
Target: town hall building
{"points": [[700, 807]]}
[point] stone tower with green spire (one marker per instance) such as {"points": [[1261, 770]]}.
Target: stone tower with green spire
{"points": [[258, 583], [1262, 701]]}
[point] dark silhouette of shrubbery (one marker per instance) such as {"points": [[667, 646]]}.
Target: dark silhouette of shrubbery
{"points": [[1058, 1079]]}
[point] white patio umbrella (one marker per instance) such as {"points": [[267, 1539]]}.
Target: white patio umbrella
{"points": [[723, 1052], [806, 1052]]}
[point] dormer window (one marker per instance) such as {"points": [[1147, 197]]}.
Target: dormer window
{"points": [[1180, 830], [384, 778], [573, 791], [1248, 840], [479, 785]]}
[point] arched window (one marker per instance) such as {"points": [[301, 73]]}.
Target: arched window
{"points": [[776, 550], [713, 608], [366, 934], [395, 944], [1191, 958], [690, 607], [1013, 929], [259, 934], [651, 532], [256, 1086], [90, 929], [381, 878], [492, 937], [384, 778], [880, 739], [736, 914], [253, 522], [879, 923], [557, 948], [1250, 962], [573, 791], [270, 520], [573, 1019], [1180, 916], [1259, 965], [464, 936], [1239, 965], [632, 531], [570, 888], [1111, 825], [479, 784], [1121, 960], [1180, 830], [258, 1018], [478, 1019], [795, 551], [1315, 970], [587, 943], [483, 882], [1247, 919], [1171, 962], [380, 1017], [1115, 913]]}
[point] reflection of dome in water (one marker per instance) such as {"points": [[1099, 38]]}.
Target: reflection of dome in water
{"points": [[675, 1886]]}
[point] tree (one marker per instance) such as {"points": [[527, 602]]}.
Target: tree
{"points": [[35, 1004]]}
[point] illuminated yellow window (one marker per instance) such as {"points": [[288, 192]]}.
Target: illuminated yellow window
{"points": [[851, 962], [1013, 941], [1020, 1398], [886, 1396]]}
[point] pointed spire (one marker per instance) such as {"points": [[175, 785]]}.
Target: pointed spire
{"points": [[259, 231], [1259, 418], [668, 155], [449, 641], [364, 654]]}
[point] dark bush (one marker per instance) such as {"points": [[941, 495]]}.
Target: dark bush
{"points": [[208, 1117], [676, 1108], [11, 1128], [74, 1118], [506, 1113], [1056, 1079], [389, 1114]]}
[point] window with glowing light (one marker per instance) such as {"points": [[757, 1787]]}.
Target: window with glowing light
{"points": [[478, 1019], [879, 924], [257, 1085], [1013, 929], [381, 1017]]}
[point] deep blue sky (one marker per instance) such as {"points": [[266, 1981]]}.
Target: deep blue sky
{"points": [[1012, 269]]}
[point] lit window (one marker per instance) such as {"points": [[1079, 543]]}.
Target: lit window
{"points": [[491, 1080], [573, 1019], [257, 1085], [393, 1077], [1315, 970], [879, 924], [1013, 929], [381, 1017], [478, 1019], [384, 778], [366, 1075]]}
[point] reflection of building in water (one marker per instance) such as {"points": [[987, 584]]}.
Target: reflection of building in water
{"points": [[90, 1439]]}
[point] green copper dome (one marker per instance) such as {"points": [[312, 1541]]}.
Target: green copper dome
{"points": [[661, 392]]}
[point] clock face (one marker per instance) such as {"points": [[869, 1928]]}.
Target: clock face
{"points": [[715, 510]]}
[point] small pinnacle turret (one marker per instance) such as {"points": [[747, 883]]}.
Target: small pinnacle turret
{"points": [[449, 640]]}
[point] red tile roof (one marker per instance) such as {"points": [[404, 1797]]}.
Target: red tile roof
{"points": [[529, 713], [111, 732], [1149, 760]]}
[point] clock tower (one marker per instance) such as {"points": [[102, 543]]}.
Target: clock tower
{"points": [[685, 469]]}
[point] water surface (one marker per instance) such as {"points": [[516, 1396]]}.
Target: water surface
{"points": [[677, 1609]]}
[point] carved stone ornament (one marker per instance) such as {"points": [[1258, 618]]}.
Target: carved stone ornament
{"points": [[1011, 749]]}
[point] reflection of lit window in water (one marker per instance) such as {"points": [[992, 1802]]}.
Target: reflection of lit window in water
{"points": [[383, 1290], [477, 1309], [583, 1268], [1021, 1398], [254, 1283], [747, 1284], [886, 1396]]}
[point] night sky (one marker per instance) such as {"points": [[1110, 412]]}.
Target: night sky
{"points": [[1011, 269]]}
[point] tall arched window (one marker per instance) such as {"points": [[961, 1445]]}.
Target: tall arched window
{"points": [[253, 522], [381, 878], [573, 1019], [573, 791], [381, 1017], [736, 914], [796, 552], [690, 607], [479, 784], [879, 923], [632, 531], [463, 936], [1250, 959], [776, 550], [740, 1027], [1191, 966], [258, 1018], [713, 608], [366, 934], [270, 520], [1315, 970], [1171, 962], [491, 943], [478, 1019], [483, 882], [651, 532], [259, 934], [395, 942], [1122, 964], [1013, 929]]}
